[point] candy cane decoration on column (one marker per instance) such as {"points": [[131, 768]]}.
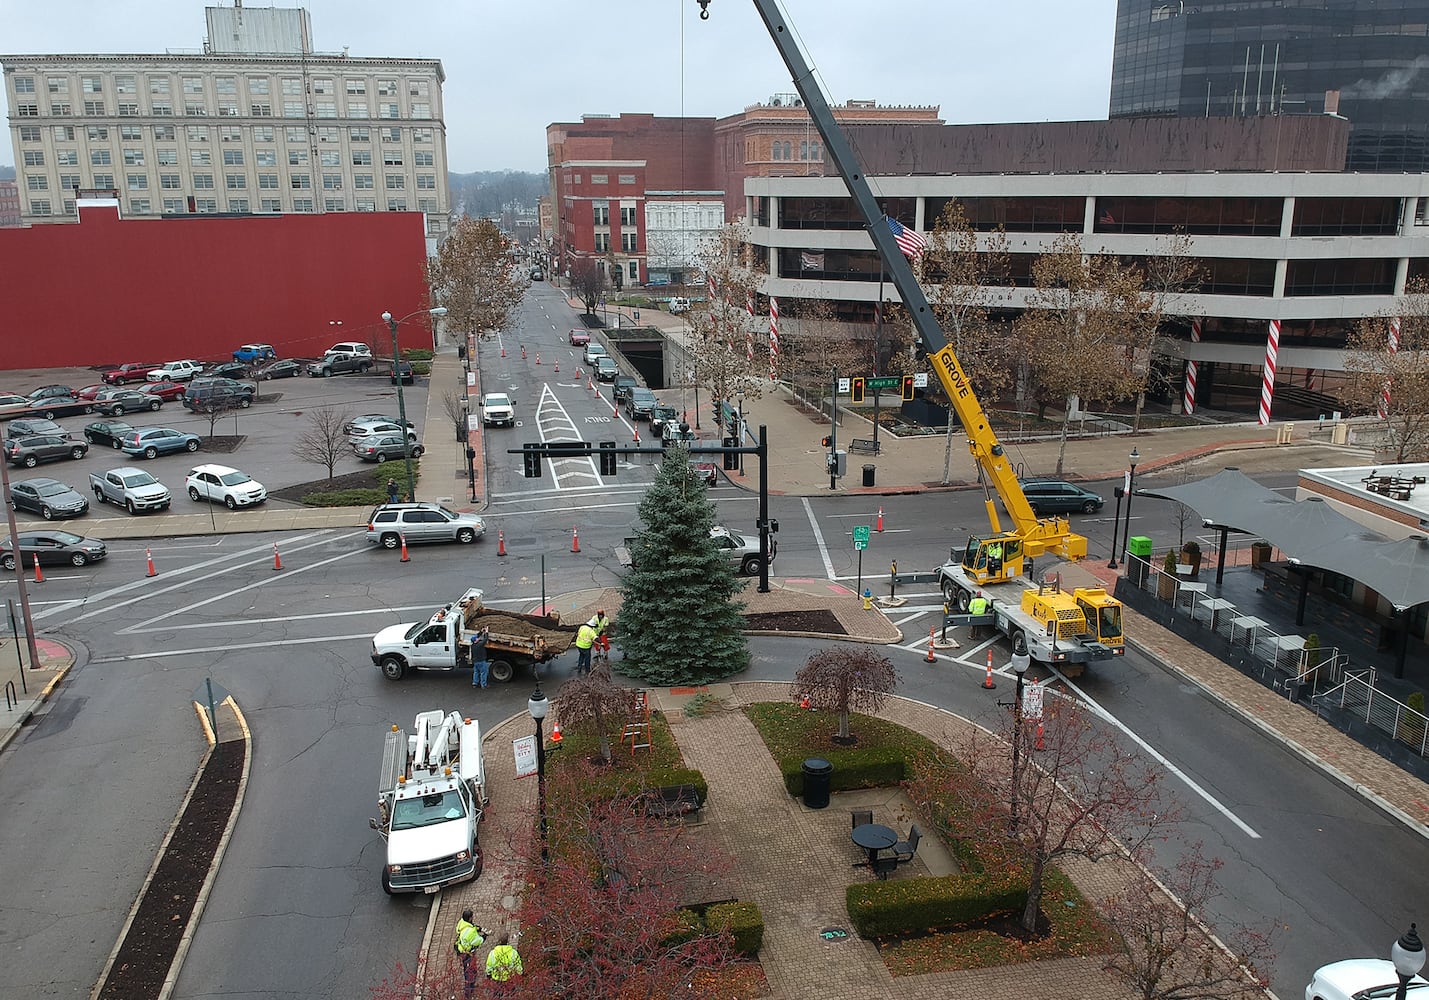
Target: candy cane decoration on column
{"points": [[773, 338], [749, 330], [1393, 349], [1267, 380], [1190, 403]]}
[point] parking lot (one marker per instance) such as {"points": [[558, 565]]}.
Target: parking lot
{"points": [[268, 429]]}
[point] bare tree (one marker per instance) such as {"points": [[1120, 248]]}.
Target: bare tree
{"points": [[1167, 950], [843, 680], [1376, 372], [812, 346], [1088, 321], [324, 438], [594, 700], [454, 405], [1173, 277], [588, 282], [732, 347], [215, 407], [472, 276]]}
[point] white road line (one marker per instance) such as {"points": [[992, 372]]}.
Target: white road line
{"points": [[271, 644], [547, 396], [818, 538], [239, 622]]}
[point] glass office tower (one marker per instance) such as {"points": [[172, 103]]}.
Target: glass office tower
{"points": [[1250, 57]]}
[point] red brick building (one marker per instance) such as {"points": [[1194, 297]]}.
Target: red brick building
{"points": [[9, 204]]}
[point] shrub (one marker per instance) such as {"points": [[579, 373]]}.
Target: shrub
{"points": [[417, 354], [917, 906], [687, 925], [346, 498], [743, 920]]}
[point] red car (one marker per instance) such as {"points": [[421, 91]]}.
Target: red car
{"points": [[89, 391], [167, 391], [580, 338], [133, 372]]}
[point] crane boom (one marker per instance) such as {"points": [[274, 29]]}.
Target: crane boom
{"points": [[1033, 536]]}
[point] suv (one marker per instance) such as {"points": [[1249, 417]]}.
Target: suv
{"points": [[622, 387], [151, 442], [174, 371], [640, 403], [221, 484], [605, 368], [31, 451], [1052, 496], [341, 363], [255, 352], [679, 305], [221, 395], [350, 347], [364, 428], [662, 415], [741, 550], [421, 522], [27, 426], [1361, 977], [677, 432]]}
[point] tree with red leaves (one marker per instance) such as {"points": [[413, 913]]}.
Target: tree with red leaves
{"points": [[1166, 948], [843, 679]]}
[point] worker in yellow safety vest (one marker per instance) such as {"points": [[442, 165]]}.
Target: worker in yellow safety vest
{"points": [[977, 606], [585, 639], [503, 962]]}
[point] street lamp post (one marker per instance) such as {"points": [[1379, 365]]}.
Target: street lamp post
{"points": [[1020, 663], [470, 471], [538, 705], [739, 430], [401, 398], [1133, 458], [1115, 527], [1408, 956]]}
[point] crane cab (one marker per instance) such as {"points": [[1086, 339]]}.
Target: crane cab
{"points": [[1103, 615], [994, 559]]}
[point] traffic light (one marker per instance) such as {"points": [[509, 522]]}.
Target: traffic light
{"points": [[907, 387], [731, 460], [856, 390], [607, 458], [532, 458]]}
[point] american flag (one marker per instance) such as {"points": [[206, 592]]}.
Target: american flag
{"points": [[909, 241]]}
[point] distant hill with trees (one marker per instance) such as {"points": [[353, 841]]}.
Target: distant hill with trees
{"points": [[491, 193]]}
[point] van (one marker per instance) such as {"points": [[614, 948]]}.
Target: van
{"points": [[679, 305], [349, 348], [1053, 496]]}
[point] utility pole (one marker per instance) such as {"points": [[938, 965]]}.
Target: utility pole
{"points": [[834, 431]]}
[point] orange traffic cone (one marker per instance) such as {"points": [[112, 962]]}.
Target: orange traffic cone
{"points": [[987, 682], [523, 352], [556, 733], [405, 557], [575, 540], [277, 559], [880, 520], [501, 543], [558, 364], [590, 383], [804, 703], [538, 357], [503, 350], [149, 558], [930, 658], [39, 577], [637, 435]]}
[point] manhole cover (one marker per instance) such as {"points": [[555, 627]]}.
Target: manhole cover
{"points": [[833, 934]]}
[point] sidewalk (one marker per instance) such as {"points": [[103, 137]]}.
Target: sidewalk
{"points": [[27, 688]]}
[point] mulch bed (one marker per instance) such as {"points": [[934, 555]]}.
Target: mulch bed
{"points": [[166, 907], [224, 444], [363, 479], [821, 620]]}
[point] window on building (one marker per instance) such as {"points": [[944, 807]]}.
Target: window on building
{"points": [[421, 135], [302, 205], [327, 133], [35, 158], [356, 86], [298, 135], [268, 181], [128, 110], [426, 204], [363, 181], [362, 157], [417, 88], [226, 84], [364, 205], [332, 182], [270, 205], [293, 109], [168, 157], [94, 109], [263, 133], [169, 182], [55, 85], [25, 84], [634, 270], [300, 182], [162, 109], [60, 133], [627, 242], [91, 84], [599, 179], [421, 109], [330, 158], [68, 182], [26, 110], [238, 205], [158, 85], [99, 157], [200, 157], [292, 86], [359, 134], [193, 85], [601, 214], [265, 157], [37, 182], [386, 88], [391, 157], [391, 134], [396, 182], [235, 182], [203, 182], [627, 216], [137, 182], [233, 157], [334, 205], [422, 159], [174, 206], [227, 109], [230, 133], [139, 206], [297, 157], [258, 85], [31, 133], [602, 241], [325, 109], [195, 111], [357, 109], [196, 133], [59, 109], [389, 111], [206, 204], [426, 182], [396, 204], [105, 181], [133, 157], [134, 132], [40, 206], [323, 85], [165, 133], [260, 110]]}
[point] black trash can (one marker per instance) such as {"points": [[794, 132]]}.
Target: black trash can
{"points": [[868, 475], [817, 773]]}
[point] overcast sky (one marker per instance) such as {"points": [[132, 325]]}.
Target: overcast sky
{"points": [[515, 66]]}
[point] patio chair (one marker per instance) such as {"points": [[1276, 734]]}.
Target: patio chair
{"points": [[885, 866], [861, 817], [904, 850]]}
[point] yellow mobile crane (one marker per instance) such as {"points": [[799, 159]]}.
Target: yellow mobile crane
{"points": [[1051, 625]]}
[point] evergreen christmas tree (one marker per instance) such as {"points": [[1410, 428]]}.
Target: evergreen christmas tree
{"points": [[679, 619]]}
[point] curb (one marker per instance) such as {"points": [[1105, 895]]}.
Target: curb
{"points": [[8, 736]]}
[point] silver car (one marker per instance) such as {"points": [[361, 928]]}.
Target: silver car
{"points": [[421, 522]]}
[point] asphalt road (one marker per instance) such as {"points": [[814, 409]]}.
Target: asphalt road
{"points": [[297, 908]]}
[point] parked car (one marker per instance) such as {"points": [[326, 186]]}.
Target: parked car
{"points": [[421, 522], [408, 376], [174, 371], [622, 387], [52, 547], [640, 403], [606, 369], [221, 484], [537, 274], [133, 489], [351, 427], [31, 451], [366, 427], [349, 347], [167, 390], [660, 415], [132, 372], [117, 402], [255, 352], [679, 305], [225, 395], [49, 498], [60, 406], [89, 391], [497, 411], [1362, 979], [340, 363], [579, 338], [51, 392], [592, 352], [27, 426], [110, 432], [12, 405], [231, 369], [279, 369], [380, 447], [1052, 496], [154, 441]]}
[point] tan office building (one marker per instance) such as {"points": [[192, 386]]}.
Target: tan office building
{"points": [[255, 123]]}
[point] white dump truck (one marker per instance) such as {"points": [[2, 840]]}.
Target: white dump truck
{"points": [[430, 795]]}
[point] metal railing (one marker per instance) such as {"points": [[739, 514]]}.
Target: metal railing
{"points": [[1390, 716]]}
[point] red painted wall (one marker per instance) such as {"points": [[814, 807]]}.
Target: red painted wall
{"points": [[111, 290]]}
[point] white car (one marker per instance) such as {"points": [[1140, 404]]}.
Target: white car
{"points": [[219, 483], [12, 405], [593, 352], [496, 410], [361, 430], [1358, 978], [175, 371]]}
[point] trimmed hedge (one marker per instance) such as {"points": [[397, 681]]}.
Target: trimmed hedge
{"points": [[921, 905], [346, 498], [872, 767], [743, 920], [628, 783]]}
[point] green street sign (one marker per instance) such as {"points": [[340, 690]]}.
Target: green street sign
{"points": [[883, 382], [859, 545], [861, 536]]}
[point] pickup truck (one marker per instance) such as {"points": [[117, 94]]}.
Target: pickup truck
{"points": [[340, 363], [741, 550], [132, 489]]}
